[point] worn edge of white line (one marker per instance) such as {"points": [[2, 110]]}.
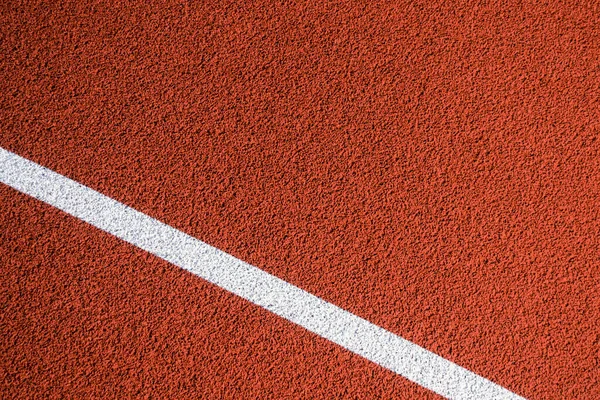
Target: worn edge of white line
{"points": [[253, 284]]}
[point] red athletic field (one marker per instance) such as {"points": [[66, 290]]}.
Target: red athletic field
{"points": [[432, 167]]}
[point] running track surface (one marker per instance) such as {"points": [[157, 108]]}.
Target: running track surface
{"points": [[433, 168]]}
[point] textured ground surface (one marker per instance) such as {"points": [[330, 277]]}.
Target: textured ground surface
{"points": [[431, 167]]}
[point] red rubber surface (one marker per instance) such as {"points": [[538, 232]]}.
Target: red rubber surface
{"points": [[433, 168], [87, 315]]}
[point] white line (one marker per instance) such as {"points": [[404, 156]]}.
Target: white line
{"points": [[284, 299]]}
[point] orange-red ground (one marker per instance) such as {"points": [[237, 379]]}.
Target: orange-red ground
{"points": [[432, 167], [85, 315]]}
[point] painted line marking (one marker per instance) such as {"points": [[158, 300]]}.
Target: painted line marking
{"points": [[259, 287]]}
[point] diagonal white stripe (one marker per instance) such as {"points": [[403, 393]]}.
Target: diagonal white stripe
{"points": [[284, 299]]}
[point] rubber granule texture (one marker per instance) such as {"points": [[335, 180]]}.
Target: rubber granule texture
{"points": [[433, 167]]}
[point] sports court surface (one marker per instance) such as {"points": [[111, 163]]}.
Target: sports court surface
{"points": [[259, 199]]}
